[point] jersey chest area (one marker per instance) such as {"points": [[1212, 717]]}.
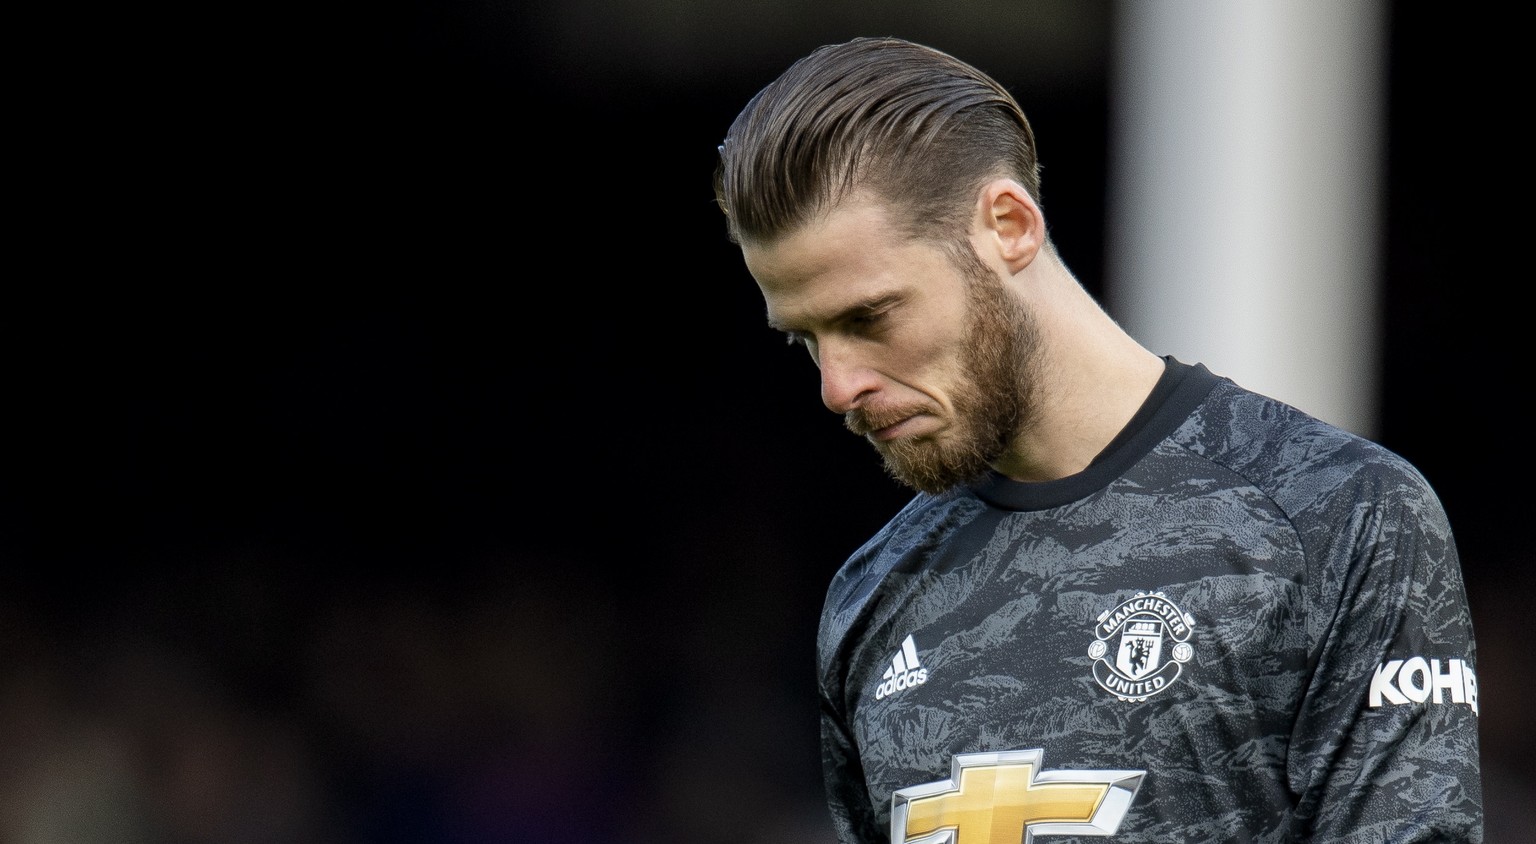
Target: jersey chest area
{"points": [[1134, 651]]}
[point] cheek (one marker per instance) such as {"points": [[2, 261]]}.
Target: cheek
{"points": [[928, 360]]}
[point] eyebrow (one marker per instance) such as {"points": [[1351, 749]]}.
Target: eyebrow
{"points": [[872, 305]]}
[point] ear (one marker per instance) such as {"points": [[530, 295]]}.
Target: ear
{"points": [[1011, 223]]}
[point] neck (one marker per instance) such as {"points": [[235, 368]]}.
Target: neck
{"points": [[1090, 380]]}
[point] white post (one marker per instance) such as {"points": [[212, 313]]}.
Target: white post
{"points": [[1246, 162]]}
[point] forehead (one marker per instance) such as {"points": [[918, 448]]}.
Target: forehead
{"points": [[827, 240], [851, 254]]}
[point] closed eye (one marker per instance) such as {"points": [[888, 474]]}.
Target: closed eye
{"points": [[867, 320]]}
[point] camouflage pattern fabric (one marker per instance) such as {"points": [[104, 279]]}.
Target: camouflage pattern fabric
{"points": [[1240, 624]]}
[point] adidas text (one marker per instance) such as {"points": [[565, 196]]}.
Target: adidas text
{"points": [[904, 671], [904, 680]]}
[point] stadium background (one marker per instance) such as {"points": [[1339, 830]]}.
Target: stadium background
{"points": [[398, 455]]}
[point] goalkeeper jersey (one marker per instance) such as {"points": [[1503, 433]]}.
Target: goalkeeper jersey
{"points": [[1238, 624]]}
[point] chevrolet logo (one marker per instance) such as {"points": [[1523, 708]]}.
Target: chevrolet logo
{"points": [[1008, 798]]}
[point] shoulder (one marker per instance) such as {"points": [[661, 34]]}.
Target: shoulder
{"points": [[1315, 472], [923, 524], [1280, 447]]}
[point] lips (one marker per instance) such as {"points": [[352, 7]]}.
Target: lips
{"points": [[890, 432], [879, 425]]}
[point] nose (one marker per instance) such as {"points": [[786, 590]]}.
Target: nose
{"points": [[845, 380]]}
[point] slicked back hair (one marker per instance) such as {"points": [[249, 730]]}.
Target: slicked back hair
{"points": [[918, 128]]}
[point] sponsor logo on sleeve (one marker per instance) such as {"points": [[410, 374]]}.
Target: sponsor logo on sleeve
{"points": [[1399, 682]]}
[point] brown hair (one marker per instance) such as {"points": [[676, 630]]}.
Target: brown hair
{"points": [[919, 128]]}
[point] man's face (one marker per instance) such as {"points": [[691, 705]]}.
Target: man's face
{"points": [[923, 351]]}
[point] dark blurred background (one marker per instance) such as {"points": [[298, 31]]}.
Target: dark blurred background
{"points": [[397, 452]]}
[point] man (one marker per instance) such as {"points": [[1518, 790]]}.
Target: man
{"points": [[1130, 598]]}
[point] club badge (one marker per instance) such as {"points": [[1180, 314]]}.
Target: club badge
{"points": [[1140, 647]]}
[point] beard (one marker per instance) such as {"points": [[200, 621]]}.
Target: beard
{"points": [[991, 400]]}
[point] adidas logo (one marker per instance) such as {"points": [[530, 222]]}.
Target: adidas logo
{"points": [[904, 673]]}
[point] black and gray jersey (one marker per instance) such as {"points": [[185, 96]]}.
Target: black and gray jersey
{"points": [[1238, 624]]}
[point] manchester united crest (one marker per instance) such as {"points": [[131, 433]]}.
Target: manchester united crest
{"points": [[1140, 647]]}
